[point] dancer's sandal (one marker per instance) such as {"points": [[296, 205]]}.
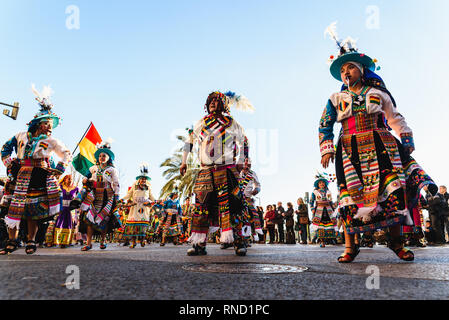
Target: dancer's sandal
{"points": [[349, 257], [10, 247], [86, 248], [402, 252], [30, 247], [103, 246], [142, 244]]}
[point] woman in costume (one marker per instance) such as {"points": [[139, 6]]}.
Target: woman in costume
{"points": [[33, 175], [64, 227], [373, 168], [170, 224], [100, 195], [323, 211], [138, 220], [223, 148]]}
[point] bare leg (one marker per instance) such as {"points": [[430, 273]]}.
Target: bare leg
{"points": [[90, 232], [349, 242], [32, 229]]}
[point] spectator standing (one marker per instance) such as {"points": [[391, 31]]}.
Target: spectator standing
{"points": [[280, 216], [434, 207], [270, 217], [303, 220], [444, 211], [289, 224]]}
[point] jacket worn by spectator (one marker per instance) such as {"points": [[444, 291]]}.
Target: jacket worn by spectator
{"points": [[279, 217]]}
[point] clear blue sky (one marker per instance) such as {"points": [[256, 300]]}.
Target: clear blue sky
{"points": [[141, 71]]}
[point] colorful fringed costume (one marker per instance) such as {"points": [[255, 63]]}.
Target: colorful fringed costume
{"points": [[64, 227], [250, 186], [36, 193], [170, 222], [219, 202], [324, 219], [375, 172], [187, 216], [99, 198], [138, 220], [371, 166]]}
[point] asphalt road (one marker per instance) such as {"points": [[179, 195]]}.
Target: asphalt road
{"points": [[167, 273]]}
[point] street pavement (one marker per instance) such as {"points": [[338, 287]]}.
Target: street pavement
{"points": [[167, 273]]}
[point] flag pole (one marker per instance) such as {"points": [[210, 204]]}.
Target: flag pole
{"points": [[82, 137]]}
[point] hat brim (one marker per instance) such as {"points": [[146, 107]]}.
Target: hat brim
{"points": [[146, 177], [56, 120], [317, 182], [361, 58], [107, 151]]}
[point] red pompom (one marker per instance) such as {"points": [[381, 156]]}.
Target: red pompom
{"points": [[332, 57]]}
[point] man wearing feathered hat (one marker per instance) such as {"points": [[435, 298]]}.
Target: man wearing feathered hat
{"points": [[33, 174], [223, 148], [374, 169]]}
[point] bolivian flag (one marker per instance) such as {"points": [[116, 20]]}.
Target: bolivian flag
{"points": [[88, 145]]}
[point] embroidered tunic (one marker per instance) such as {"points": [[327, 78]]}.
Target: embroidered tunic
{"points": [[170, 222], [220, 141], [98, 203], [138, 219], [36, 191], [371, 165], [323, 213]]}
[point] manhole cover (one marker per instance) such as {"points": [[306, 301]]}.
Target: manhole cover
{"points": [[244, 268]]}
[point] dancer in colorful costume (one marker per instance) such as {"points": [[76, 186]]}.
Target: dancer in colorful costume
{"points": [[250, 186], [187, 216], [170, 222], [64, 227], [323, 211], [138, 220], [223, 148], [33, 174], [99, 196], [373, 168]]}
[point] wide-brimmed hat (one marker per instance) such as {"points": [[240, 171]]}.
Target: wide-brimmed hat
{"points": [[45, 113], [104, 147], [348, 53], [352, 56]]}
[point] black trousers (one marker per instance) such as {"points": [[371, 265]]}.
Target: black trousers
{"points": [[437, 224], [281, 232], [271, 232]]}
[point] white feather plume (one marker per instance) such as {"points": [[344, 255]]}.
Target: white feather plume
{"points": [[44, 96], [331, 30], [349, 44], [105, 143], [241, 103]]}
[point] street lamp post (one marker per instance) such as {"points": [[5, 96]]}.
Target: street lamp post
{"points": [[14, 111]]}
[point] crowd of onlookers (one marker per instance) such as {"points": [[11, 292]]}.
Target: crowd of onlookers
{"points": [[285, 225]]}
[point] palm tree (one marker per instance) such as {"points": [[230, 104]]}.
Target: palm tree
{"points": [[184, 183]]}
